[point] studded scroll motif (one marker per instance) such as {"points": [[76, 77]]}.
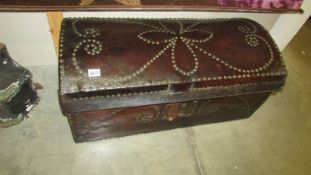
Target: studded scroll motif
{"points": [[90, 45], [174, 37], [252, 39], [94, 47], [148, 116]]}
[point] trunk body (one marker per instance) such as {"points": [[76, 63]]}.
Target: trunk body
{"points": [[126, 76], [107, 123]]}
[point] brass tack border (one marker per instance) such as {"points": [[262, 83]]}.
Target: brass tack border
{"points": [[142, 84], [204, 89]]}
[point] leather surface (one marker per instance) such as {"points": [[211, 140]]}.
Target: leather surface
{"points": [[11, 73], [17, 94], [126, 76], [152, 55], [18, 104], [85, 102], [95, 125]]}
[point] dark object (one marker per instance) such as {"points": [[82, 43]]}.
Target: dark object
{"points": [[17, 95], [276, 6], [126, 76]]}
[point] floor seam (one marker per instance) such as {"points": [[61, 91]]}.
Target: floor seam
{"points": [[189, 133]]}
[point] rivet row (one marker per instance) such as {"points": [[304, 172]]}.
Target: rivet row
{"points": [[93, 47]]}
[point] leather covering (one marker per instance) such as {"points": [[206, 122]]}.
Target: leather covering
{"points": [[212, 5], [12, 75], [117, 122], [110, 63], [17, 95]]}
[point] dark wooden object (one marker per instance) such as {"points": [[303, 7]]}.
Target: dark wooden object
{"points": [[276, 6], [17, 94], [127, 76]]}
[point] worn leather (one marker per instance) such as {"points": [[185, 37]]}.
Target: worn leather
{"points": [[157, 74], [17, 94], [12, 75], [108, 123], [233, 57]]}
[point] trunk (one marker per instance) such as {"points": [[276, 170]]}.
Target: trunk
{"points": [[114, 71]]}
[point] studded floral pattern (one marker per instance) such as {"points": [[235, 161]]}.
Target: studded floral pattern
{"points": [[171, 42], [94, 47], [180, 34], [251, 38]]}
